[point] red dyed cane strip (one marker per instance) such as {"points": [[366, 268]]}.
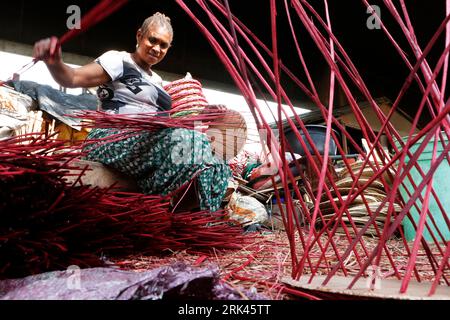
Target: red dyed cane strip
{"points": [[135, 123], [102, 10], [439, 273], [327, 145], [200, 260], [246, 263], [98, 13]]}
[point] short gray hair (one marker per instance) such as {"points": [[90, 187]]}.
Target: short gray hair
{"points": [[159, 19]]}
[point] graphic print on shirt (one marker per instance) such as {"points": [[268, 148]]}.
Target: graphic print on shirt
{"points": [[104, 93], [132, 78]]}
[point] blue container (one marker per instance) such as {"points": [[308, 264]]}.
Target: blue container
{"points": [[441, 185]]}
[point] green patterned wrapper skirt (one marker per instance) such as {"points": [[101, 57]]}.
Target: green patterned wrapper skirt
{"points": [[161, 162]]}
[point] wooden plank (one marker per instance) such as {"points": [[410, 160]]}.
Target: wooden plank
{"points": [[388, 288], [101, 176]]}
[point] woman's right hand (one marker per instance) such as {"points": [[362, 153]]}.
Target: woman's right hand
{"points": [[48, 50]]}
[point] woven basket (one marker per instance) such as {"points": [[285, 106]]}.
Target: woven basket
{"points": [[228, 136]]}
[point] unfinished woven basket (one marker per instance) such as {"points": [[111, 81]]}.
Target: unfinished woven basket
{"points": [[228, 135]]}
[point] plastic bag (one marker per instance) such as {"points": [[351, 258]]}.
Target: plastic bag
{"points": [[246, 210]]}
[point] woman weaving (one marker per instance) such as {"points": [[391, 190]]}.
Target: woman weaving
{"points": [[128, 85]]}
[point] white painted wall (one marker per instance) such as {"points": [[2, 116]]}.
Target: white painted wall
{"points": [[12, 62]]}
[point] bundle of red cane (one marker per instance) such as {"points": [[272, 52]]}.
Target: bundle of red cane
{"points": [[147, 121], [49, 224]]}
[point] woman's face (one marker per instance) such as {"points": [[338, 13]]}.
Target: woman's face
{"points": [[153, 44]]}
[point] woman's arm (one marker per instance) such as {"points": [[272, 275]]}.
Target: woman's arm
{"points": [[90, 75]]}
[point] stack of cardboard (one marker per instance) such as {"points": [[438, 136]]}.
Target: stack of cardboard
{"points": [[15, 112], [360, 211]]}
